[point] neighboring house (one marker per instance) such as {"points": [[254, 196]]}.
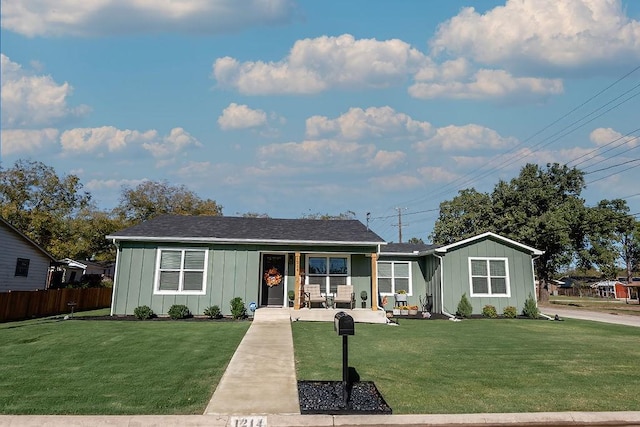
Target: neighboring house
{"points": [[201, 261], [23, 264], [68, 270], [489, 268], [611, 289]]}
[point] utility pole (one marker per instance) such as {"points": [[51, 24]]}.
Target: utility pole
{"points": [[400, 224]]}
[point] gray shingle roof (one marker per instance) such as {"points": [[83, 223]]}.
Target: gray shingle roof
{"points": [[406, 248], [222, 228]]}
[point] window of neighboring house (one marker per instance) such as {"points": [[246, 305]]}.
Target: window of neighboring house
{"points": [[181, 271], [489, 277], [22, 267], [328, 272], [394, 276]]}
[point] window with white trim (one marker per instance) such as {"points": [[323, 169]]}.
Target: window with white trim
{"points": [[394, 276], [489, 277], [181, 271], [328, 271]]}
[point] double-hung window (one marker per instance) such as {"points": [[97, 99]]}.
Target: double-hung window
{"points": [[394, 276], [328, 271], [489, 277], [22, 267], [181, 271]]}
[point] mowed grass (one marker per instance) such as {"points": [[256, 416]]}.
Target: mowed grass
{"points": [[478, 366], [51, 366]]}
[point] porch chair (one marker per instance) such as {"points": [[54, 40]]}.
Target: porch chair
{"points": [[312, 295], [345, 295]]}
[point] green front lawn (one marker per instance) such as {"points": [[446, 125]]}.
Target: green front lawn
{"points": [[53, 366], [483, 365]]}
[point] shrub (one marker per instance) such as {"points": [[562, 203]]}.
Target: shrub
{"points": [[143, 312], [510, 312], [530, 308], [238, 310], [178, 311], [489, 311], [464, 307], [363, 295], [213, 312], [291, 295]]}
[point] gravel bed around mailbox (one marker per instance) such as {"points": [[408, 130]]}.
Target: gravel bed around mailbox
{"points": [[326, 397]]}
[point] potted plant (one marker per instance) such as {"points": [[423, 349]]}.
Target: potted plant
{"points": [[291, 295], [363, 297], [401, 296], [396, 311], [404, 310], [413, 310]]}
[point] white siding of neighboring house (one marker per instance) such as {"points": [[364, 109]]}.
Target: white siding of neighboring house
{"points": [[12, 247]]}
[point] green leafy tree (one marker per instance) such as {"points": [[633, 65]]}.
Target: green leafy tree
{"points": [[415, 240], [468, 214], [42, 204], [152, 198]]}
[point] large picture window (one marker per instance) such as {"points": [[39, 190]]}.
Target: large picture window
{"points": [[181, 271], [394, 276], [328, 271], [489, 277]]}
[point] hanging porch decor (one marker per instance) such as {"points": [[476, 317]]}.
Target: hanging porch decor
{"points": [[272, 277]]}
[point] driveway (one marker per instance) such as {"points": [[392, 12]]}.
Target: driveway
{"points": [[596, 316]]}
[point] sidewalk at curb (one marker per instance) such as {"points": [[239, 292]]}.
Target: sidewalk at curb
{"points": [[627, 418]]}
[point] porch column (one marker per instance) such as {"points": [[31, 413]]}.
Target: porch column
{"points": [[298, 286], [374, 282]]}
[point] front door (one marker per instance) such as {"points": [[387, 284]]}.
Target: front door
{"points": [[273, 279]]}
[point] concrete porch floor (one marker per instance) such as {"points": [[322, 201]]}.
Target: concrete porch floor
{"points": [[360, 315]]}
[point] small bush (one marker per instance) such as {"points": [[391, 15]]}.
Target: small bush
{"points": [[179, 311], [510, 312], [291, 295], [464, 307], [489, 311], [213, 312], [238, 310], [143, 312], [530, 308]]}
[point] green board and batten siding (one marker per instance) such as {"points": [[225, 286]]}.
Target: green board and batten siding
{"points": [[232, 271], [456, 275]]}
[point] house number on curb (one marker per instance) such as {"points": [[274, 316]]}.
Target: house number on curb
{"points": [[248, 422]]}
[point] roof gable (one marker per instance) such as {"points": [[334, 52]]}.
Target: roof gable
{"points": [[525, 248], [27, 239], [249, 230]]}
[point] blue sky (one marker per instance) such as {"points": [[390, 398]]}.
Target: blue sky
{"points": [[298, 107]]}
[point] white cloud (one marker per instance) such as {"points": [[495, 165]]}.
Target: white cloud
{"points": [[467, 137], [86, 140], [29, 100], [605, 136], [319, 151], [241, 117], [110, 139], [400, 182], [105, 17], [21, 141], [568, 34], [112, 184], [386, 159], [495, 84], [174, 143], [375, 122], [316, 65], [437, 174]]}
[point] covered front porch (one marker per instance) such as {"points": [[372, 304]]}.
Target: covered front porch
{"points": [[360, 315]]}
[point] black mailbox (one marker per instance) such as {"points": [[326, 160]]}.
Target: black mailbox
{"points": [[343, 324]]}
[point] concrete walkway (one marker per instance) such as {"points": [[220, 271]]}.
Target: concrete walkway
{"points": [[596, 316], [261, 376]]}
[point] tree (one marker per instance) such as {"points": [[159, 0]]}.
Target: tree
{"points": [[541, 208], [415, 240], [153, 198], [38, 202], [468, 214]]}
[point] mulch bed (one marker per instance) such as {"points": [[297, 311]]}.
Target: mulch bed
{"points": [[326, 397], [160, 319]]}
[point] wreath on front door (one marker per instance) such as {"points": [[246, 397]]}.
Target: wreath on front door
{"points": [[272, 277]]}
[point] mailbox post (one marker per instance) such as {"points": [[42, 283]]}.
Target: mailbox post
{"points": [[344, 326]]}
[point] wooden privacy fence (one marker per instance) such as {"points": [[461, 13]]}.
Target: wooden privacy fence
{"points": [[19, 305]]}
